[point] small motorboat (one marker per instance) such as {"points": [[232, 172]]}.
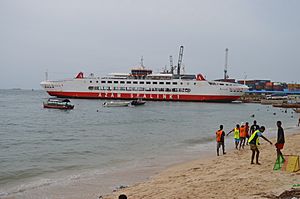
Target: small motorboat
{"points": [[58, 103], [137, 102], [116, 104]]}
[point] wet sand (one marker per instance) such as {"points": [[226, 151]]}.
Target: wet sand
{"points": [[228, 176]]}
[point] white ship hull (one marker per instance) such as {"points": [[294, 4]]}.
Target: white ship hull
{"points": [[149, 89]]}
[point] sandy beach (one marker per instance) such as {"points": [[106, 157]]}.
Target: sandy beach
{"points": [[228, 176]]}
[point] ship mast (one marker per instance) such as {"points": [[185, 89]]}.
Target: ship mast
{"points": [[46, 75], [226, 64], [142, 62]]}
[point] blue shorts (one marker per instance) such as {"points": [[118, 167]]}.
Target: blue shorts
{"points": [[236, 139]]}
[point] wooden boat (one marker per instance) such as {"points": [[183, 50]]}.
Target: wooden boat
{"points": [[287, 105], [297, 110], [57, 103], [116, 103], [137, 102]]}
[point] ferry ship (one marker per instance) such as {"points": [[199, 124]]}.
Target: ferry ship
{"points": [[142, 83]]}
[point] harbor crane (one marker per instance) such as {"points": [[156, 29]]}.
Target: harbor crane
{"points": [[179, 60]]}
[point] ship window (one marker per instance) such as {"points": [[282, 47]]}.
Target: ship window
{"points": [[168, 82], [135, 82], [222, 84], [103, 82], [168, 90], [141, 89], [91, 82], [148, 82], [174, 83], [161, 89], [116, 82], [195, 83], [128, 82], [122, 82], [154, 82], [187, 90], [109, 82], [181, 83], [97, 82], [97, 88], [188, 83], [142, 82], [148, 89], [161, 82], [174, 89], [91, 88]]}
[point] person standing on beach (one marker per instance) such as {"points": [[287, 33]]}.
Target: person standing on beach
{"points": [[242, 135], [280, 140], [254, 142], [299, 121], [236, 136], [253, 127], [247, 132], [220, 134]]}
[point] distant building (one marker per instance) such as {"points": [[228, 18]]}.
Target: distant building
{"points": [[255, 84], [294, 87]]}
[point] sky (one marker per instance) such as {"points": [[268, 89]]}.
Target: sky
{"points": [[65, 37]]}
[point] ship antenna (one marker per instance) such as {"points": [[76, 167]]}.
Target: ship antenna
{"points": [[226, 64], [171, 64], [179, 59]]}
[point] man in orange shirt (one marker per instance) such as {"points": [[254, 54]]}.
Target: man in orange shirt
{"points": [[242, 135], [220, 134]]}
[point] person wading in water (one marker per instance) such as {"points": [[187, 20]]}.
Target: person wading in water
{"points": [[236, 135]]}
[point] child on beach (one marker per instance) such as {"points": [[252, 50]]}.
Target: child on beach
{"points": [[254, 142], [220, 134], [236, 135], [280, 140]]}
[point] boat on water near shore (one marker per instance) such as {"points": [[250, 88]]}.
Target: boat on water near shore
{"points": [[137, 102], [58, 103], [116, 103], [297, 110], [142, 83], [287, 105]]}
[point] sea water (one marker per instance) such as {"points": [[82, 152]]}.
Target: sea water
{"points": [[40, 148]]}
